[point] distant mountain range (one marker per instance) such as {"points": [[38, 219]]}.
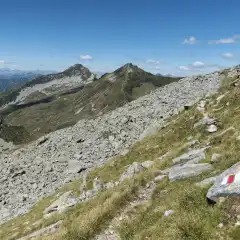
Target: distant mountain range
{"points": [[12, 78], [15, 72]]}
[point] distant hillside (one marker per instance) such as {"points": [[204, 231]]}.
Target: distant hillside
{"points": [[6, 83], [42, 113]]}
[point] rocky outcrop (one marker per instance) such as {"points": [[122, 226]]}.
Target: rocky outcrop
{"points": [[211, 123], [4, 146], [179, 172], [97, 187], [192, 156], [65, 201], [38, 170], [135, 168]]}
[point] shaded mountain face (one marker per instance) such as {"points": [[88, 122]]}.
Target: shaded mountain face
{"points": [[41, 113], [6, 83]]}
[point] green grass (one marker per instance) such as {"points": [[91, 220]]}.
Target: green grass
{"points": [[35, 96], [192, 217]]}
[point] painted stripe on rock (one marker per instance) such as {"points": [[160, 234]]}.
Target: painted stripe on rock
{"points": [[232, 178]]}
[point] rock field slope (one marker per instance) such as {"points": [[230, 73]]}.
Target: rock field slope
{"points": [[89, 143]]}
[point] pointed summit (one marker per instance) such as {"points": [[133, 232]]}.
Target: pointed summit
{"points": [[129, 67], [77, 70]]}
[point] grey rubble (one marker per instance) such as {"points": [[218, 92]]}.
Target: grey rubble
{"points": [[30, 173]]}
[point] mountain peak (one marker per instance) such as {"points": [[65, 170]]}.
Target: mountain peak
{"points": [[76, 70], [130, 66], [127, 68]]}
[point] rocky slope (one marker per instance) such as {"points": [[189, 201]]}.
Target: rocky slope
{"points": [[47, 164]]}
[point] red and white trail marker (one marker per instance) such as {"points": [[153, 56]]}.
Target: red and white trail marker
{"points": [[232, 178]]}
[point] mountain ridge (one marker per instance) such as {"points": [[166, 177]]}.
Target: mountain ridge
{"points": [[86, 100]]}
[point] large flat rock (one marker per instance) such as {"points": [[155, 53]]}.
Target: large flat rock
{"points": [[178, 172]]}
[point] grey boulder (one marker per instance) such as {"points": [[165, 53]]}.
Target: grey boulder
{"points": [[131, 171], [178, 172], [207, 182], [193, 156], [75, 166], [223, 189], [65, 201]]}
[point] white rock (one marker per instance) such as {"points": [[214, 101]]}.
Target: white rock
{"points": [[168, 213], [215, 157], [237, 224], [147, 164], [159, 178], [220, 225], [212, 128]]}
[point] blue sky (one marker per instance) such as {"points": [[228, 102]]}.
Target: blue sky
{"points": [[168, 36]]}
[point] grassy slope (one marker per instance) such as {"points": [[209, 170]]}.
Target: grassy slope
{"points": [[95, 98], [193, 218]]}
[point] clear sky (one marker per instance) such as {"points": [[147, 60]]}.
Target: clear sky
{"points": [[181, 37]]}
